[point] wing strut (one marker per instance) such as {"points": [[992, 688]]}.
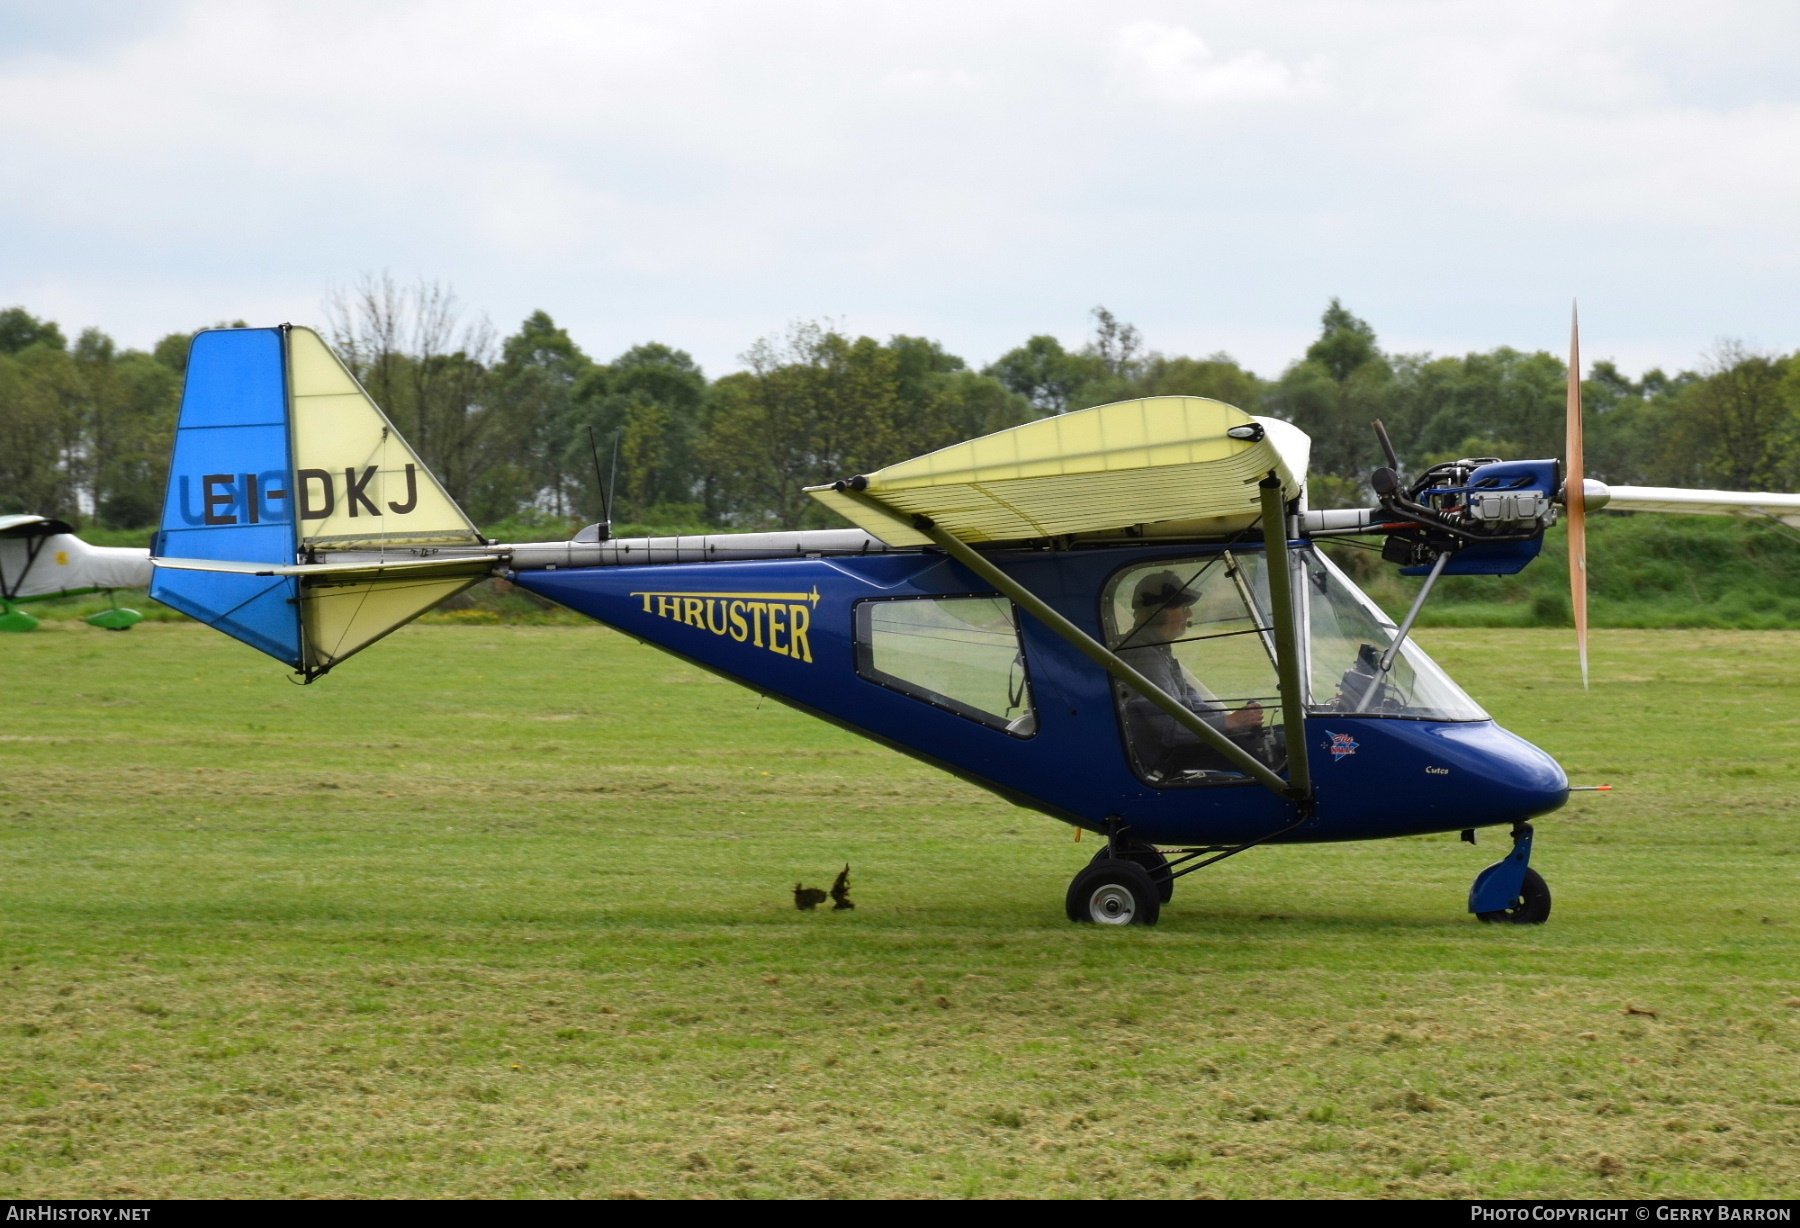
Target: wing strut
{"points": [[1104, 657], [1287, 639]]}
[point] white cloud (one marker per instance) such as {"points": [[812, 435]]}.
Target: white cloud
{"points": [[931, 79], [1173, 64]]}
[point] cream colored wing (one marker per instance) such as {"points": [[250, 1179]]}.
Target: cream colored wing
{"points": [[1153, 461]]}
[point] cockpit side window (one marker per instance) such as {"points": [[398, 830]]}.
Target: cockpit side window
{"points": [[1199, 629], [961, 654]]}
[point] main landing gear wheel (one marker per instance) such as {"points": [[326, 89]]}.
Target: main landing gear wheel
{"points": [[1154, 864], [1532, 907], [1114, 891]]}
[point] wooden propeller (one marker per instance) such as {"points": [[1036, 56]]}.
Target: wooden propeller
{"points": [[1575, 497]]}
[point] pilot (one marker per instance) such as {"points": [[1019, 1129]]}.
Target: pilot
{"points": [[1162, 609]]}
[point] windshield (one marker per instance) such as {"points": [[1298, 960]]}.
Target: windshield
{"points": [[1348, 634]]}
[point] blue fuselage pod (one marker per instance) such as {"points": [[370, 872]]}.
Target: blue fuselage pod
{"points": [[789, 628]]}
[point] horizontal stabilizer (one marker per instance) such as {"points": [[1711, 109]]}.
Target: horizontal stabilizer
{"points": [[345, 611], [471, 564]]}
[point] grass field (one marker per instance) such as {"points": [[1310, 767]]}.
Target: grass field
{"points": [[504, 911]]}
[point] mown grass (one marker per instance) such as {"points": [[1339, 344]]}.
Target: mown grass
{"points": [[505, 911]]}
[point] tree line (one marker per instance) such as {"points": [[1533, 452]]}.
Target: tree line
{"points": [[521, 427]]}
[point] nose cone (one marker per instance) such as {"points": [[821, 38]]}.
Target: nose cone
{"points": [[1378, 778], [1516, 779]]}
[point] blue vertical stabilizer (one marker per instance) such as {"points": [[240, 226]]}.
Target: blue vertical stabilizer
{"points": [[230, 492]]}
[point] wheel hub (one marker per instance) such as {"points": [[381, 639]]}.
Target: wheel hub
{"points": [[1112, 904]]}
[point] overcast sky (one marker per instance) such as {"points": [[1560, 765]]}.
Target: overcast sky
{"points": [[702, 173]]}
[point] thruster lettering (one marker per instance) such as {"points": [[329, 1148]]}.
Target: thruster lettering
{"points": [[778, 622]]}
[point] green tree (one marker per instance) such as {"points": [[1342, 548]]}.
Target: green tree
{"points": [[1112, 366], [1334, 393], [650, 401], [942, 402], [1118, 347], [127, 406], [533, 399], [1042, 372], [434, 376], [1735, 425], [961, 405], [39, 434], [813, 407], [1346, 343], [131, 472], [1218, 377], [19, 329], [86, 429], [1501, 403]]}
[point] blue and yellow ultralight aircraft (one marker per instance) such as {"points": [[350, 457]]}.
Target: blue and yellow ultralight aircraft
{"points": [[1119, 617]]}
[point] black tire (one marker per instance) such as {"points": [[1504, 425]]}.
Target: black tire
{"points": [[1531, 908], [1114, 891], [1153, 863]]}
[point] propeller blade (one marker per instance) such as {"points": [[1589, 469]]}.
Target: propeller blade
{"points": [[1575, 498]]}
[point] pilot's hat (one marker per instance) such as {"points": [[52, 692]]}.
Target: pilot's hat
{"points": [[1160, 590]]}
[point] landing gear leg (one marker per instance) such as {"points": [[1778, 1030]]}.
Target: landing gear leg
{"points": [[1125, 884], [1151, 859], [1510, 890]]}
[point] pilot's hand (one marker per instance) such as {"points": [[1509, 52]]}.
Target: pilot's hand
{"points": [[1250, 716]]}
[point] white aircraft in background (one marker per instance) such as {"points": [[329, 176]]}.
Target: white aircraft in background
{"points": [[42, 559]]}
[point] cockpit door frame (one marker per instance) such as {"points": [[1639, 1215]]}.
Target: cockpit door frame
{"points": [[1297, 789]]}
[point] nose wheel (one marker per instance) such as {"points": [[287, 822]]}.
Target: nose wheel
{"points": [[1530, 907], [1510, 890]]}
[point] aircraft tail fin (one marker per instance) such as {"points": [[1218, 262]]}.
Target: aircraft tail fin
{"points": [[281, 462]]}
